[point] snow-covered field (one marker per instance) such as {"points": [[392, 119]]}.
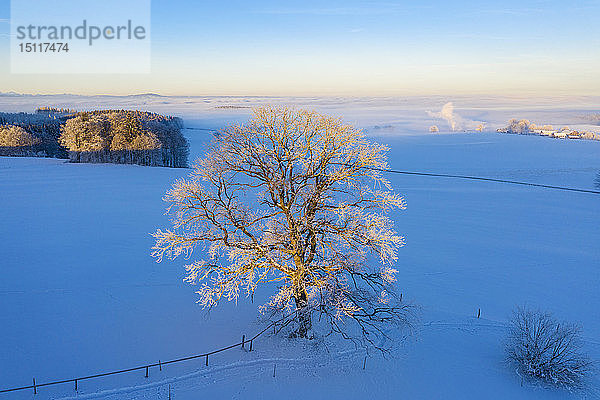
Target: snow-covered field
{"points": [[80, 294]]}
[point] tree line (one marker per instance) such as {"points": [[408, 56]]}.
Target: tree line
{"points": [[26, 134], [14, 140], [100, 136], [125, 137]]}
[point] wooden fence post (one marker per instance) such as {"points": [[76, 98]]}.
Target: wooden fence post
{"points": [[147, 367]]}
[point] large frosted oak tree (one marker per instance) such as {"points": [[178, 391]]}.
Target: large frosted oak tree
{"points": [[299, 199]]}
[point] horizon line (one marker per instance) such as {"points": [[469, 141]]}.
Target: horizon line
{"points": [[357, 96]]}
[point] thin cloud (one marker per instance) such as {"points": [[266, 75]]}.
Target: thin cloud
{"points": [[320, 11], [483, 36], [515, 11], [371, 9]]}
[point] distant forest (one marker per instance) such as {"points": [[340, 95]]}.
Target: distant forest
{"points": [[23, 134], [102, 136]]}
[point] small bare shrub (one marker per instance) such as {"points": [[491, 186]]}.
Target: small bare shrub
{"points": [[548, 350]]}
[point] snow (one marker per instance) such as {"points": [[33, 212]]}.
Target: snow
{"points": [[80, 293]]}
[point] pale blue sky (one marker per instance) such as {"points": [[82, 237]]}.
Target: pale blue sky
{"points": [[351, 47]]}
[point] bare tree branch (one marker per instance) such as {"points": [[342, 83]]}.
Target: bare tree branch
{"points": [[297, 198]]}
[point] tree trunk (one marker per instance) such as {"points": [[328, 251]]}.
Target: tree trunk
{"points": [[303, 314]]}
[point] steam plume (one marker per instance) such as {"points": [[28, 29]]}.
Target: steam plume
{"points": [[455, 121]]}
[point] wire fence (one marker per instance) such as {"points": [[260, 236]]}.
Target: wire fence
{"points": [[466, 177], [146, 367], [250, 341], [480, 178]]}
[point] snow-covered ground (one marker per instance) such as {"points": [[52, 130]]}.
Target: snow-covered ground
{"points": [[80, 294]]}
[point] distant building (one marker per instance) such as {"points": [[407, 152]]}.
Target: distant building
{"points": [[525, 127], [563, 134]]}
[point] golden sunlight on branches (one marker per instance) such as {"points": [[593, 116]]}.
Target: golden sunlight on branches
{"points": [[297, 198]]}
